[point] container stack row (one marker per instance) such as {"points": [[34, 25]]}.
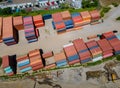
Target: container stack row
{"points": [[106, 48], [113, 40], [67, 19], [9, 65], [1, 29], [18, 23], [23, 63], [79, 19], [49, 60], [30, 32], [35, 60], [95, 50], [60, 59], [10, 34], [38, 21], [71, 54], [58, 22], [82, 50]]}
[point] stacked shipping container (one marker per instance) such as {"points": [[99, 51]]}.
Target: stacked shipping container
{"points": [[1, 29], [106, 48], [35, 60], [18, 23], [67, 19], [23, 63], [30, 32], [82, 50], [71, 54], [95, 15], [113, 40], [86, 17], [9, 65], [49, 60], [77, 19], [58, 22], [38, 21], [60, 59], [95, 50], [10, 34]]}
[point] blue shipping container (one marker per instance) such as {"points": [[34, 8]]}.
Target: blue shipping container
{"points": [[75, 14], [72, 58], [82, 51], [112, 37], [47, 16], [68, 22], [70, 26], [86, 60], [61, 64], [8, 71], [26, 69], [117, 52], [93, 47], [33, 40]]}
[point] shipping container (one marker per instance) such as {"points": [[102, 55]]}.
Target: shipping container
{"points": [[18, 23], [95, 15], [47, 54], [66, 15]]}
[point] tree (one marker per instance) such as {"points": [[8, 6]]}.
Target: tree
{"points": [[6, 11]]}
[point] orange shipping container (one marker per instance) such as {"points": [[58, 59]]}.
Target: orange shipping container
{"points": [[66, 15], [85, 15], [18, 23], [48, 54], [59, 56]]}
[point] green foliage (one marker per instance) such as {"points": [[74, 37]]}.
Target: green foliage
{"points": [[89, 3], [118, 57], [118, 18], [5, 11], [115, 4], [64, 6], [109, 58], [104, 10], [94, 63]]}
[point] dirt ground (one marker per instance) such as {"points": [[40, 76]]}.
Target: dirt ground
{"points": [[108, 2]]}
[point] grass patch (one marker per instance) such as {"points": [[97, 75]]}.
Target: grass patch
{"points": [[108, 58], [43, 12], [94, 63]]}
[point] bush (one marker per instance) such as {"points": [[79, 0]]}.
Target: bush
{"points": [[115, 4], [118, 18], [104, 10], [90, 3], [118, 57]]}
